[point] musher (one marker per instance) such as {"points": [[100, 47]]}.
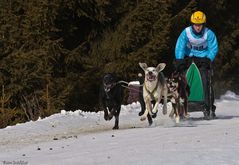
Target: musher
{"points": [[199, 44]]}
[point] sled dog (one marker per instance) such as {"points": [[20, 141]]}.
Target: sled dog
{"points": [[110, 98], [178, 92], [154, 88]]}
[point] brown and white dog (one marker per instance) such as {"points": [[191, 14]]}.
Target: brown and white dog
{"points": [[178, 92], [154, 88]]}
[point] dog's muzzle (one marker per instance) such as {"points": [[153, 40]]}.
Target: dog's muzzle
{"points": [[151, 77], [108, 87], [172, 85]]}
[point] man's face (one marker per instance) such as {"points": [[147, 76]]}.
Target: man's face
{"points": [[198, 27]]}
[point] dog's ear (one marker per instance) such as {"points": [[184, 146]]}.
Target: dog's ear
{"points": [[160, 67], [143, 66]]}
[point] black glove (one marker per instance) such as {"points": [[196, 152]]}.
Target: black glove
{"points": [[180, 65], [205, 62]]}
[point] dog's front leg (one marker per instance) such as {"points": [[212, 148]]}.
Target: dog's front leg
{"points": [[177, 108], [172, 113], [148, 106], [106, 115], [112, 112], [155, 109], [110, 116], [106, 110], [103, 107], [116, 126]]}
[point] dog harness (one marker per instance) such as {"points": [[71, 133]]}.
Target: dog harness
{"points": [[160, 80], [151, 94]]}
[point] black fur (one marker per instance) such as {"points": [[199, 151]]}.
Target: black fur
{"points": [[110, 98]]}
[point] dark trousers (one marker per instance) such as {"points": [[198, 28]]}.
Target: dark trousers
{"points": [[208, 88]]}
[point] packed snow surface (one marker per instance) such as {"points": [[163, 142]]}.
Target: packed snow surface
{"points": [[86, 138]]}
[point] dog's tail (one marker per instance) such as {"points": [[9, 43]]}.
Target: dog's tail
{"points": [[123, 82], [130, 85]]}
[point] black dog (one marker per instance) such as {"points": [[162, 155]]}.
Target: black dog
{"points": [[110, 98]]}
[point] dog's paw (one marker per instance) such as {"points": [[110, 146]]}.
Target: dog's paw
{"points": [[150, 123], [186, 116], [110, 116], [177, 119], [154, 115], [143, 118], [106, 117], [115, 127], [141, 113], [154, 111]]}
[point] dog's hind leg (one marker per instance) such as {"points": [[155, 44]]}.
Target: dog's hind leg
{"points": [[106, 115], [177, 109], [186, 114], [146, 112], [150, 119], [141, 101], [116, 115], [172, 113], [116, 126], [165, 94]]}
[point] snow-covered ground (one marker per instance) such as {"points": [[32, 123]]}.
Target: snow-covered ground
{"points": [[78, 138]]}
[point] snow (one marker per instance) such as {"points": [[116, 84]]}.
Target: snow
{"points": [[86, 138], [134, 83]]}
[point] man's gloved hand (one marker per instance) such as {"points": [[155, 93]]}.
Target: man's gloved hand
{"points": [[206, 62], [180, 65]]}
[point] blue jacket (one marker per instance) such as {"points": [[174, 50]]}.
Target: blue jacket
{"points": [[182, 49]]}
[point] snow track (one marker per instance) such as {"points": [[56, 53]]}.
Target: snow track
{"points": [[86, 138]]}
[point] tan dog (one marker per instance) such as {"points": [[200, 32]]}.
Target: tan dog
{"points": [[154, 88]]}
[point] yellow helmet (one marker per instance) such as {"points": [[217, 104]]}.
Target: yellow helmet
{"points": [[198, 17]]}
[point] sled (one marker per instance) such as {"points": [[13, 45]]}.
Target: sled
{"points": [[196, 97], [134, 92]]}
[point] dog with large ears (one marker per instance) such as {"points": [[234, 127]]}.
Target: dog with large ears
{"points": [[154, 88], [178, 92]]}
